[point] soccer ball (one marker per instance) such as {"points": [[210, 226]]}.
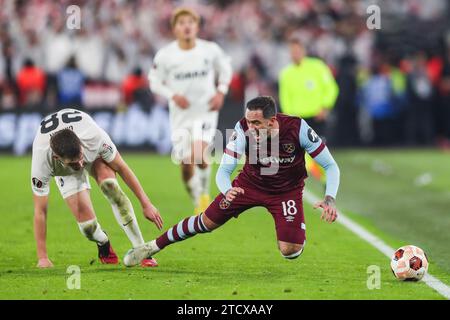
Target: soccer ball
{"points": [[409, 263]]}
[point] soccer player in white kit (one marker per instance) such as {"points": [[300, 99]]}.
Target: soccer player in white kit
{"points": [[70, 146], [184, 72]]}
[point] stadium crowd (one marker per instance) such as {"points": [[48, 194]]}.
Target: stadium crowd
{"points": [[394, 82]]}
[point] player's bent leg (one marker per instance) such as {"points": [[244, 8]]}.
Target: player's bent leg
{"points": [[287, 212], [183, 230], [81, 206], [191, 182], [290, 250], [216, 215], [120, 203], [203, 170]]}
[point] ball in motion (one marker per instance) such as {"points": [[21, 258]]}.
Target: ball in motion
{"points": [[409, 263]]}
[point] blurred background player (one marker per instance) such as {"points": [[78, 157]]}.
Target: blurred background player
{"points": [[69, 146], [272, 179], [307, 89], [185, 73]]}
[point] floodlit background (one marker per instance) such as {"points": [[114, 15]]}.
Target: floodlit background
{"points": [[389, 131]]}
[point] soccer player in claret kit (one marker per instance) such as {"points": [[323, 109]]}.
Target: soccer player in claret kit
{"points": [[272, 177], [69, 146], [184, 72]]}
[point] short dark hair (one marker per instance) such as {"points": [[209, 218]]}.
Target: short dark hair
{"points": [[265, 103], [65, 144]]}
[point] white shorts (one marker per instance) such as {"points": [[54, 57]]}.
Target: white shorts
{"points": [[70, 185], [185, 132]]}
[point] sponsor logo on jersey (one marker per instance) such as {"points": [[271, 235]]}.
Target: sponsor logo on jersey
{"points": [[224, 204], [288, 147], [61, 182], [191, 74], [233, 136], [37, 183], [272, 159], [290, 218]]}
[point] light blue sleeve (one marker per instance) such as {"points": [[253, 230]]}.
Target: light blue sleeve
{"points": [[312, 144], [309, 139], [233, 151], [326, 161]]}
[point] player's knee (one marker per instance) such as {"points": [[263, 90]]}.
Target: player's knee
{"points": [[198, 153], [292, 251], [110, 188], [209, 224], [102, 171], [108, 185]]}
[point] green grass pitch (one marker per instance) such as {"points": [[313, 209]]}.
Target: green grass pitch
{"points": [[239, 260]]}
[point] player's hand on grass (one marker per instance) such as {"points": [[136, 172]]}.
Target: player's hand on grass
{"points": [[216, 102], [329, 213], [152, 214], [233, 193], [181, 101], [44, 263]]}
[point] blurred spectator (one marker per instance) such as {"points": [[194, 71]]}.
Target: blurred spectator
{"points": [[419, 118], [377, 98], [31, 82], [444, 91], [132, 83], [70, 83], [346, 108]]}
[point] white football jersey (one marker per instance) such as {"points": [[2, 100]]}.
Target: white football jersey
{"points": [[190, 73], [95, 144]]}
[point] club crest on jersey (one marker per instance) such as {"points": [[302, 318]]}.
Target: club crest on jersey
{"points": [[37, 183], [288, 147], [107, 148], [224, 204]]}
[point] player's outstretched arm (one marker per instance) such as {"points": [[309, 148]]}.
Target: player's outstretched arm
{"points": [[40, 230], [328, 205], [149, 210], [313, 144]]}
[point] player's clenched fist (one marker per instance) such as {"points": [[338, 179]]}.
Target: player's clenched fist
{"points": [[181, 101], [328, 205], [44, 263], [233, 193]]}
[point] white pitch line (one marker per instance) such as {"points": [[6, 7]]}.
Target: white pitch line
{"points": [[379, 244]]}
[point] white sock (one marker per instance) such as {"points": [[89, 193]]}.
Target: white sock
{"points": [[92, 230], [153, 247], [195, 187], [123, 211], [204, 175]]}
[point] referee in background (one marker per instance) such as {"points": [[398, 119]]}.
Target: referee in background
{"points": [[307, 89]]}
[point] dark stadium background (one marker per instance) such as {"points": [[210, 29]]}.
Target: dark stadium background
{"points": [[118, 39]]}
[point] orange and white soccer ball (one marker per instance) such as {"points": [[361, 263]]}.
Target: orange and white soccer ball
{"points": [[409, 263]]}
